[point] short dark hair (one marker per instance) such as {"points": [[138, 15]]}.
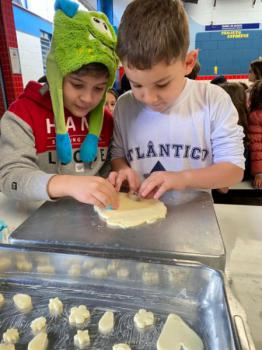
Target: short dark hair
{"points": [[256, 68], [255, 96], [219, 80], [152, 31], [94, 69]]}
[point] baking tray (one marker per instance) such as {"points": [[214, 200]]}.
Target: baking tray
{"points": [[193, 291], [189, 232]]}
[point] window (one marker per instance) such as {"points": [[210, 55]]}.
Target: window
{"points": [[45, 40]]}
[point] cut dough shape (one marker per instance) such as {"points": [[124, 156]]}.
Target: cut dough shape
{"points": [[38, 325], [82, 339], [2, 300], [23, 302], [99, 272], [122, 273], [79, 315], [5, 263], [106, 322], [177, 335], [7, 347], [55, 306], [150, 277], [121, 346], [75, 270], [24, 265], [133, 213], [113, 266], [49, 269], [144, 319], [39, 342], [11, 336]]}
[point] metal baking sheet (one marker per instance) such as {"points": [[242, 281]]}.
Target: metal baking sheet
{"points": [[191, 290], [190, 231]]}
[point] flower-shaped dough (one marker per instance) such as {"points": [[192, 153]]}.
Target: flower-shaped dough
{"points": [[79, 315], [144, 318], [82, 339]]}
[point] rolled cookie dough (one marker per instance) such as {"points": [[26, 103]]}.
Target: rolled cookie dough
{"points": [[144, 319], [23, 302], [106, 322], [38, 325], [121, 346], [55, 306], [39, 342], [2, 300], [133, 213], [82, 339], [7, 347], [11, 336], [177, 335]]}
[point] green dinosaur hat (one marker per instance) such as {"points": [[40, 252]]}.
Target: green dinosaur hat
{"points": [[79, 38]]}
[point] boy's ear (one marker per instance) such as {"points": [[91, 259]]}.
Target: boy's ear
{"points": [[190, 61]]}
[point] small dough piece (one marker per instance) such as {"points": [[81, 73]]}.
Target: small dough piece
{"points": [[75, 270], [106, 322], [150, 277], [99, 272], [11, 336], [55, 306], [113, 266], [24, 265], [122, 273], [79, 315], [38, 325], [82, 339], [2, 300], [121, 346], [49, 269], [133, 213], [177, 335], [39, 342], [144, 319], [7, 347], [23, 302], [5, 263]]}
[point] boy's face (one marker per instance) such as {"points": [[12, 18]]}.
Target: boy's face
{"points": [[110, 101], [160, 86], [82, 93]]}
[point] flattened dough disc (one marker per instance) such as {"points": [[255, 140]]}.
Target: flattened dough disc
{"points": [[133, 213]]}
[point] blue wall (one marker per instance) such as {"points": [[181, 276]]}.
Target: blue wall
{"points": [[29, 23]]}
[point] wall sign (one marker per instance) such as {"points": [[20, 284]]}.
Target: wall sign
{"points": [[15, 61], [232, 26]]}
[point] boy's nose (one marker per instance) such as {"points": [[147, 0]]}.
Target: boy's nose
{"points": [[87, 97], [149, 97]]}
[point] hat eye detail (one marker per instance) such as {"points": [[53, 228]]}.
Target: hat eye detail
{"points": [[101, 26]]}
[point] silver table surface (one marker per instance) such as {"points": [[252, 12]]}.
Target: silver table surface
{"points": [[190, 231]]}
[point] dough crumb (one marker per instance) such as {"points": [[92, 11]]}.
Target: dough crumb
{"points": [[121, 346], [176, 335], [55, 306], [11, 336], [144, 319], [39, 342], [82, 339], [23, 302], [106, 322], [38, 325], [79, 315]]}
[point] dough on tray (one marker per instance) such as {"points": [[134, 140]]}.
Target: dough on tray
{"points": [[106, 322], [2, 300], [23, 302], [79, 315], [133, 213], [11, 336], [55, 306], [177, 335], [82, 339], [39, 342], [121, 346], [38, 325], [144, 319]]}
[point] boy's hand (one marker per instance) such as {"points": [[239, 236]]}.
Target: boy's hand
{"points": [[160, 182], [116, 178], [257, 183], [85, 189]]}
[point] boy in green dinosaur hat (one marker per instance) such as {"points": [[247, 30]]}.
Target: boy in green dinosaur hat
{"points": [[53, 132]]}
